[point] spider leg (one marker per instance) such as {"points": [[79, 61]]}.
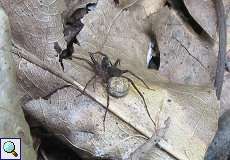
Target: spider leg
{"points": [[127, 71], [92, 58], [94, 77], [87, 84], [102, 54], [107, 107], [118, 62], [98, 53], [84, 59], [135, 87]]}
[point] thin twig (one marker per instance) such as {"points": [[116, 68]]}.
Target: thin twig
{"points": [[221, 21]]}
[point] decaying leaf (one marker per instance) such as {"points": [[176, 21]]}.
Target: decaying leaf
{"points": [[105, 31], [36, 25], [204, 13], [190, 130], [13, 123], [185, 57], [79, 119], [119, 33]]}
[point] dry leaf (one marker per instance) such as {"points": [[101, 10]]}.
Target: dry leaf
{"points": [[120, 33], [185, 57], [190, 131], [204, 13], [117, 33], [79, 119], [36, 25], [13, 123]]}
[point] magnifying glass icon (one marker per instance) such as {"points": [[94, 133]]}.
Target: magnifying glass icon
{"points": [[9, 147]]}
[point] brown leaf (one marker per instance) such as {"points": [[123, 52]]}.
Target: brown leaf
{"points": [[36, 25], [186, 58], [13, 123], [79, 119], [205, 14], [120, 34]]}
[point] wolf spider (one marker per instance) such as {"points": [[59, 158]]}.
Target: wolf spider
{"points": [[106, 70]]}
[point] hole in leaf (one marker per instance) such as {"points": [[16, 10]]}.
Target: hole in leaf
{"points": [[153, 56]]}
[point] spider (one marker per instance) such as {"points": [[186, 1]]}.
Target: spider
{"points": [[106, 70]]}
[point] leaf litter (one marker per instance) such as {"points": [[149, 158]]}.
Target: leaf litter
{"points": [[121, 33]]}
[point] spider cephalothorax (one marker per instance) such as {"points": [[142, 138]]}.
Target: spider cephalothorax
{"points": [[107, 70]]}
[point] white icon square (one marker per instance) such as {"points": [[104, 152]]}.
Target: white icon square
{"points": [[10, 149]]}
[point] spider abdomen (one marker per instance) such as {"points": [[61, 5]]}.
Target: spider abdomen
{"points": [[118, 86]]}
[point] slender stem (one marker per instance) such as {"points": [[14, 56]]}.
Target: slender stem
{"points": [[222, 46]]}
